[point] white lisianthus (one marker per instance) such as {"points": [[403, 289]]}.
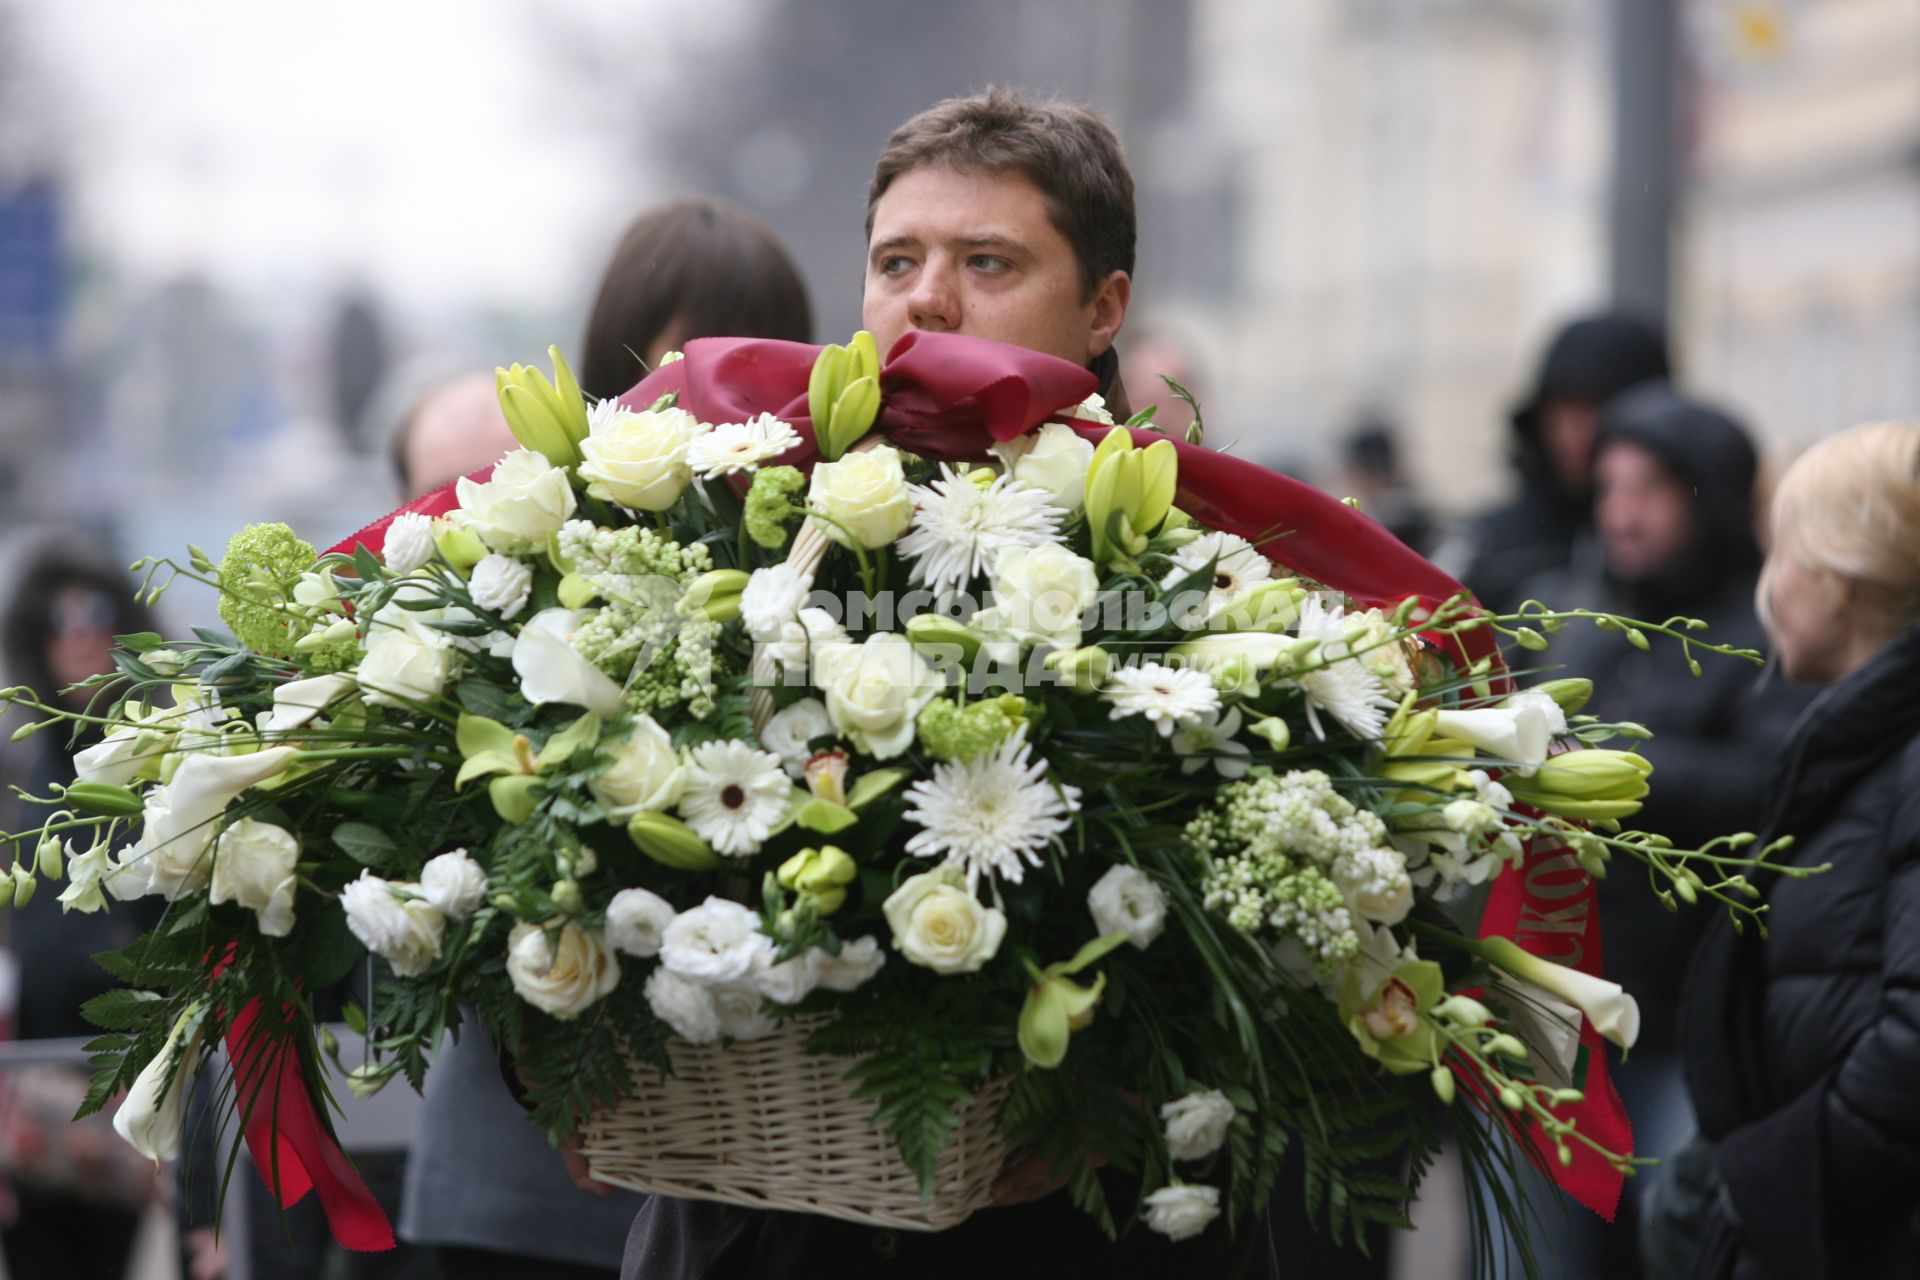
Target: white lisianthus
{"points": [[875, 690], [402, 666], [940, 926], [714, 942], [801, 641], [1126, 900], [502, 584], [409, 543], [1182, 1211], [1375, 884], [563, 976], [684, 1005], [741, 1017], [792, 728], [864, 497], [454, 883], [639, 460], [856, 964], [772, 598], [181, 819], [637, 921], [788, 982], [550, 670], [297, 702], [1040, 594], [646, 773], [524, 499], [1054, 459], [404, 929], [151, 1115], [254, 865], [1196, 1125]]}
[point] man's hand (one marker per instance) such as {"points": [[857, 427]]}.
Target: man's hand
{"points": [[577, 1168], [1029, 1178]]}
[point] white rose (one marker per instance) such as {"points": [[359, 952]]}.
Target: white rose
{"points": [[550, 670], [524, 499], [788, 982], [401, 666], [1054, 458], [639, 460], [1196, 1125], [454, 883], [741, 1017], [940, 926], [254, 865], [637, 921], [1182, 1211], [502, 584], [409, 543], [563, 978], [646, 773], [857, 962], [403, 929], [181, 819], [865, 494], [150, 1116], [792, 728], [874, 690], [772, 598], [1375, 884], [1039, 595], [813, 633], [1126, 900], [685, 1006], [297, 702], [713, 942]]}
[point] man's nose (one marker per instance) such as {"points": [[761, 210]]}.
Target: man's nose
{"points": [[934, 303]]}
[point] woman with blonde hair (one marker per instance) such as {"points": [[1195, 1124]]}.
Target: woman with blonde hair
{"points": [[1802, 1050]]}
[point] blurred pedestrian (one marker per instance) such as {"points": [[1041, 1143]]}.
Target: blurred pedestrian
{"points": [[1802, 1047], [452, 427], [482, 1182], [1370, 474], [1548, 519], [1673, 482], [1149, 360]]}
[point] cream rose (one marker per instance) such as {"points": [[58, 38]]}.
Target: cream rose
{"points": [[394, 922], [1054, 458], [646, 773], [864, 496], [1196, 1125], [938, 925], [1126, 900], [402, 666], [639, 460], [874, 690], [1039, 595], [254, 865], [524, 499], [563, 977], [454, 883]]}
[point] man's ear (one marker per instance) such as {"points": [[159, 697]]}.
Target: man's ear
{"points": [[1109, 311]]}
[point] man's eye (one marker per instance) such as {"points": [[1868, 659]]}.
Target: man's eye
{"points": [[988, 262], [894, 265]]}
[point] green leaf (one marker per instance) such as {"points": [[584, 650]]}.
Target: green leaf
{"points": [[824, 816], [325, 950], [140, 641], [873, 784], [365, 844], [354, 1016], [123, 1009], [493, 701]]}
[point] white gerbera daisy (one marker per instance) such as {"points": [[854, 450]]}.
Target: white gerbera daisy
{"points": [[1169, 697], [1210, 741], [960, 528], [733, 447], [991, 814], [1237, 565], [734, 795], [1344, 688]]}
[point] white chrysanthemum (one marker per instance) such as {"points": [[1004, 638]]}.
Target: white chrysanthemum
{"points": [[605, 413], [502, 584], [1210, 741], [994, 813], [772, 598], [1169, 697], [409, 543], [1344, 688], [1237, 566], [960, 528], [734, 794], [733, 447]]}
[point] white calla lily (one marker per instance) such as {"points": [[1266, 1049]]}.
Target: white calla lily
{"points": [[150, 1116], [1613, 1013], [297, 702], [550, 669], [1520, 734]]}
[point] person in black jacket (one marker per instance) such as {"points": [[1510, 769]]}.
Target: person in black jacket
{"points": [[1542, 526], [1802, 1049]]}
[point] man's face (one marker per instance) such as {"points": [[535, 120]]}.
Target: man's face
{"points": [[1568, 428], [973, 251], [1643, 511]]}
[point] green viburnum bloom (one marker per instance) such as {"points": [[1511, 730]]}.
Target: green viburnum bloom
{"points": [[770, 505], [262, 565], [949, 731]]}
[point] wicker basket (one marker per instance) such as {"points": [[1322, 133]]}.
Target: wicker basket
{"points": [[765, 1124]]}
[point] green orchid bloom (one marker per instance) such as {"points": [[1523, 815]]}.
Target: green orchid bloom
{"points": [[1057, 1007], [1389, 1019], [492, 749]]}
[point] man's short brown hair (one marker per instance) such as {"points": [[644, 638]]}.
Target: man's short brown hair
{"points": [[1066, 150]]}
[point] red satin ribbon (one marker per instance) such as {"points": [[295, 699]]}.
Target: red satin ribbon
{"points": [[949, 396]]}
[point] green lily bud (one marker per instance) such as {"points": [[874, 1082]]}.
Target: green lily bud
{"points": [[671, 842], [1129, 494], [1274, 730], [1083, 670], [933, 634], [1594, 774], [461, 548], [1570, 694], [549, 418], [566, 896], [716, 594], [1409, 731], [103, 798], [1272, 607]]}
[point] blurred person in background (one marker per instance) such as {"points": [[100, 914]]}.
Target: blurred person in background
{"points": [[1370, 474], [1549, 522], [1673, 487], [1802, 1048], [482, 1183], [452, 427], [1148, 362], [78, 1190]]}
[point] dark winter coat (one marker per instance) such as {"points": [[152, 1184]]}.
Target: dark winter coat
{"points": [[1802, 1051], [1536, 531]]}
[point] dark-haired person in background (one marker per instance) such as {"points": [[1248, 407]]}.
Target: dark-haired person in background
{"points": [[1549, 519], [482, 1182]]}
